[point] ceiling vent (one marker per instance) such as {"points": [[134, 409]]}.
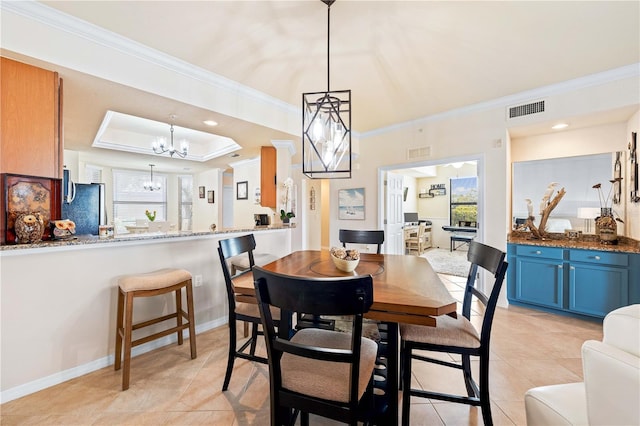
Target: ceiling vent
{"points": [[526, 109], [416, 153]]}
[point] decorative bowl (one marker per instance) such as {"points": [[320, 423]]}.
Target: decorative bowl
{"points": [[345, 265]]}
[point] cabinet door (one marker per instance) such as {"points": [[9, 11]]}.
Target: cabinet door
{"points": [[596, 289], [268, 165], [30, 110], [539, 281]]}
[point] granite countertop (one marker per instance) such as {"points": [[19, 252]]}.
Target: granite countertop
{"points": [[93, 239], [587, 242]]}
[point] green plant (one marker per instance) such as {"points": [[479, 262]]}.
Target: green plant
{"points": [[150, 216], [286, 215]]}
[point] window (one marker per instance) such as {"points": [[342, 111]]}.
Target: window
{"points": [[186, 202], [130, 199], [464, 200]]}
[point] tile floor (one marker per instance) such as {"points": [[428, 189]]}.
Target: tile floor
{"points": [[529, 348]]}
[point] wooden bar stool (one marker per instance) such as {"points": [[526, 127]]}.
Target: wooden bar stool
{"points": [[146, 285]]}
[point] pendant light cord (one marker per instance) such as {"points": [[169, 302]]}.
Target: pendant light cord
{"points": [[328, 44]]}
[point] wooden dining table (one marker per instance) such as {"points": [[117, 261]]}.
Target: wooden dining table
{"points": [[406, 289]]}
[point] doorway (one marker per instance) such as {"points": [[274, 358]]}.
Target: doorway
{"points": [[434, 205]]}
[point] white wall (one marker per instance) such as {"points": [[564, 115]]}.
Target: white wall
{"points": [[204, 213], [243, 210]]}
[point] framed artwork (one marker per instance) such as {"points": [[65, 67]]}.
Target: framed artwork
{"points": [[211, 197], [201, 191], [27, 194], [242, 190], [351, 204]]}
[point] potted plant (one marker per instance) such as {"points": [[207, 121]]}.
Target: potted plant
{"points": [[285, 215], [606, 226]]}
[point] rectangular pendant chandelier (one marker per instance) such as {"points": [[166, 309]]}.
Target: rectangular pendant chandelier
{"points": [[326, 134]]}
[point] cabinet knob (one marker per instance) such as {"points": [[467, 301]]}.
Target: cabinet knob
{"points": [[573, 268], [597, 257], [538, 252], [560, 266]]}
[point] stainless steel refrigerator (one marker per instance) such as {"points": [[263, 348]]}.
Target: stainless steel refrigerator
{"points": [[84, 204]]}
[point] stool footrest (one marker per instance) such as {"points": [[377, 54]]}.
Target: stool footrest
{"points": [[157, 320], [160, 334]]}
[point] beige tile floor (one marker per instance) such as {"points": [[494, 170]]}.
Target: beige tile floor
{"points": [[529, 348]]}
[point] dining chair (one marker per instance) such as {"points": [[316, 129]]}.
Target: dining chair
{"points": [[416, 240], [238, 310], [458, 336], [323, 372], [358, 236]]}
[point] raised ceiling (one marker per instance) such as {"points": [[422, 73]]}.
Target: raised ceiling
{"points": [[403, 60]]}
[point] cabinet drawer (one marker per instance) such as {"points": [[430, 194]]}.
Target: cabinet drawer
{"points": [[537, 251], [599, 257]]}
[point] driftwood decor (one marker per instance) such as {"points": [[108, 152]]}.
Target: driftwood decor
{"points": [[546, 206]]}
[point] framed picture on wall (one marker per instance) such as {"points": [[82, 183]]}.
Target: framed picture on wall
{"points": [[211, 197], [242, 190], [201, 191], [351, 204]]}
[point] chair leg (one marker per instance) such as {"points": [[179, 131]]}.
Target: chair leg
{"points": [[254, 338], [406, 384], [304, 418], [468, 378], [179, 315], [232, 353], [485, 402], [128, 326], [119, 330], [192, 323]]}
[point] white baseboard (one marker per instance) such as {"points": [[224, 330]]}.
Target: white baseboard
{"points": [[81, 370]]}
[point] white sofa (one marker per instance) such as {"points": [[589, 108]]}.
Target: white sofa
{"points": [[610, 393]]}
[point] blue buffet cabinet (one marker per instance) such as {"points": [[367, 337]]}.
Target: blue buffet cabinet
{"points": [[581, 282]]}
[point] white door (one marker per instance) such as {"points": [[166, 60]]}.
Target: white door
{"points": [[394, 238], [227, 207]]}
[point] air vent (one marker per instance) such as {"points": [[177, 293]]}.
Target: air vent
{"points": [[527, 109], [422, 152]]}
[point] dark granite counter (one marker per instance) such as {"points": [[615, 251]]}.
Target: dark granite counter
{"points": [[92, 239], [587, 242]]}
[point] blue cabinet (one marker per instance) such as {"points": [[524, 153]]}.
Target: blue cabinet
{"points": [[570, 280]]}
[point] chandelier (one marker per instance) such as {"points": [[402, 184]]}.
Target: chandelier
{"points": [[160, 144], [326, 128], [152, 185]]}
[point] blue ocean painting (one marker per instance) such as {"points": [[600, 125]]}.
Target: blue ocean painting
{"points": [[351, 204]]}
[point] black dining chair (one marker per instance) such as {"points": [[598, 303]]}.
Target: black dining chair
{"points": [[458, 336], [357, 236], [240, 311], [323, 372]]}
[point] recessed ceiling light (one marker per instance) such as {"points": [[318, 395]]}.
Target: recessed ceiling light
{"points": [[210, 123], [560, 126]]}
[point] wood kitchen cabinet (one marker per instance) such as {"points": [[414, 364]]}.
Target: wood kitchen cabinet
{"points": [[30, 114], [268, 166]]}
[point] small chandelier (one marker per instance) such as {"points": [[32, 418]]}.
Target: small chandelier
{"points": [[152, 185], [160, 144], [326, 128]]}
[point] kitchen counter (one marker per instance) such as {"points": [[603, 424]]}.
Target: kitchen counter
{"points": [[93, 239], [58, 304], [587, 242]]}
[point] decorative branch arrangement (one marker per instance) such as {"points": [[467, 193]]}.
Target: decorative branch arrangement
{"points": [[546, 206]]}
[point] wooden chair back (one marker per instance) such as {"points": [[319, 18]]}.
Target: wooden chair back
{"points": [[357, 236], [321, 296]]}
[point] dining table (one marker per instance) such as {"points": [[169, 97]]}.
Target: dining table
{"points": [[406, 289]]}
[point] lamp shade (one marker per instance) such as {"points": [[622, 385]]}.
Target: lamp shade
{"points": [[588, 212]]}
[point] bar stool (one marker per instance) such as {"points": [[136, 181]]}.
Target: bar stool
{"points": [[146, 285]]}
